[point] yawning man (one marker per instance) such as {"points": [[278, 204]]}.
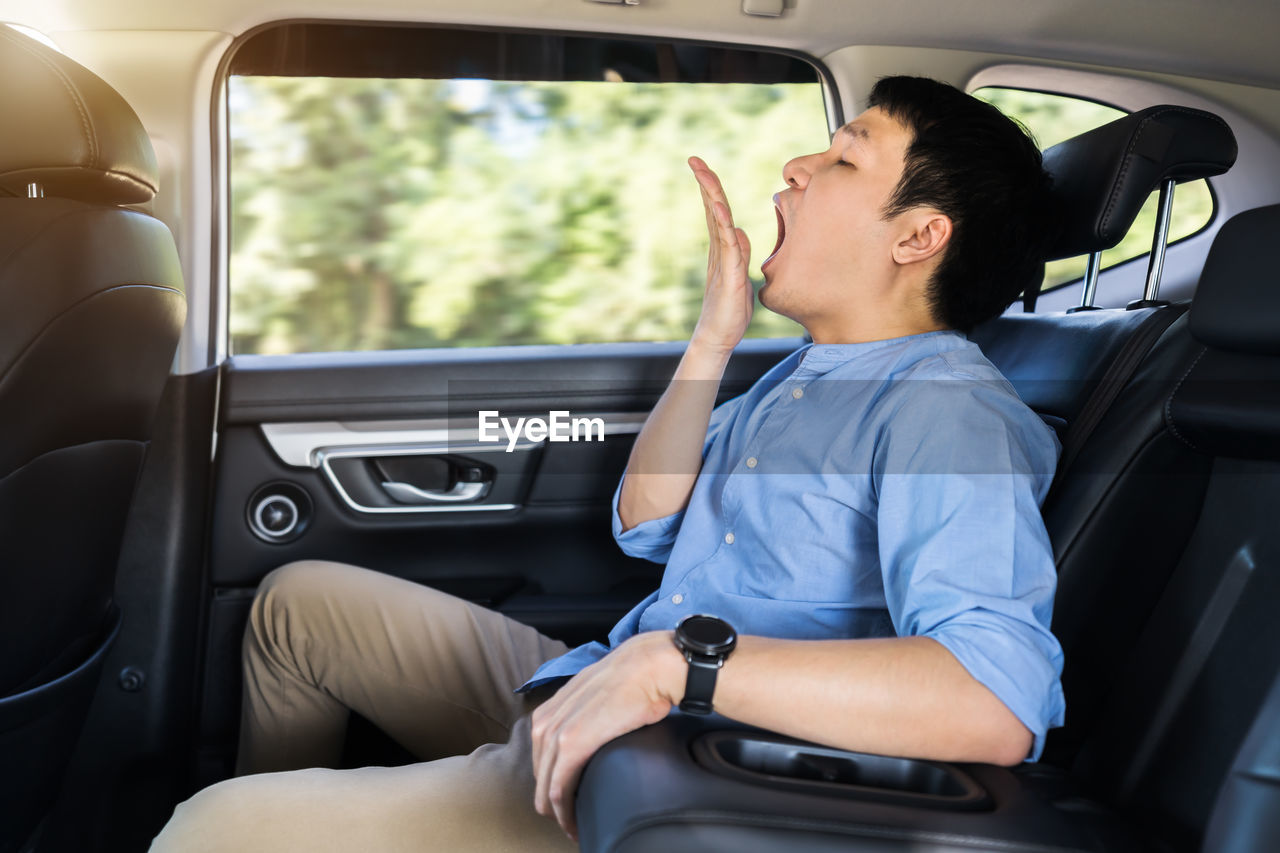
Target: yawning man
{"points": [[854, 549]]}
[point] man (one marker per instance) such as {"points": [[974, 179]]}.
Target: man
{"points": [[866, 517]]}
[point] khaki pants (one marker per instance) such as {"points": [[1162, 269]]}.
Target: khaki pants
{"points": [[433, 671]]}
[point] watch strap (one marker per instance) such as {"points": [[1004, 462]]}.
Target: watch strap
{"points": [[699, 686]]}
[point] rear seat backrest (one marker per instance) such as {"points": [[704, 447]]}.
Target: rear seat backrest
{"points": [[1062, 364], [1170, 589], [1055, 361]]}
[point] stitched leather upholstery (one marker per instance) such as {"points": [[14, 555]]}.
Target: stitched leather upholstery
{"points": [[1102, 177], [1239, 312], [67, 130]]}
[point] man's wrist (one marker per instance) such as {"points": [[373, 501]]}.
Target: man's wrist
{"points": [[669, 667], [704, 360]]}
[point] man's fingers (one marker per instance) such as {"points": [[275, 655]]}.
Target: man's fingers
{"points": [[709, 181], [719, 214], [716, 193], [724, 219], [546, 726], [537, 730], [537, 734], [708, 205], [556, 776], [744, 244], [604, 700], [535, 739], [542, 777], [706, 178], [567, 772]]}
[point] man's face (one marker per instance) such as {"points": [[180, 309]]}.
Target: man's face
{"points": [[833, 242]]}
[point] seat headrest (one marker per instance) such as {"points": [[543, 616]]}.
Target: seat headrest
{"points": [[1237, 302], [65, 129], [1102, 177]]}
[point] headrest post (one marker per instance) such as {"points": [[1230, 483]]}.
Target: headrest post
{"points": [[35, 190], [1160, 240], [1092, 267]]}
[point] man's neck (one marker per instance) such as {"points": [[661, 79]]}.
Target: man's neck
{"points": [[863, 329], [896, 307]]}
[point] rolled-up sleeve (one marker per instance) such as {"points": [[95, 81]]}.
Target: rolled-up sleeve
{"points": [[649, 540], [652, 539], [963, 549]]}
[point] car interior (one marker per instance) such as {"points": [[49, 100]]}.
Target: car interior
{"points": [[207, 372]]}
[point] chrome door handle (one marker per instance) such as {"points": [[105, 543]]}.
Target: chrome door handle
{"points": [[408, 493]]}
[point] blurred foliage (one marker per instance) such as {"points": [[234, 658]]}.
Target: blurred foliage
{"points": [[1054, 118], [395, 213]]}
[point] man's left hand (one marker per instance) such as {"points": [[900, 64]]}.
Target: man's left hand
{"points": [[633, 686]]}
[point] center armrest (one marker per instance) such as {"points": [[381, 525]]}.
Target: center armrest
{"points": [[707, 783]]}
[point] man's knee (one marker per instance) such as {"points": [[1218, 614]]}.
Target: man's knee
{"points": [[298, 579], [295, 589], [209, 821], [289, 599]]}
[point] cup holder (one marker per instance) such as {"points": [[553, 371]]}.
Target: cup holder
{"points": [[786, 764]]}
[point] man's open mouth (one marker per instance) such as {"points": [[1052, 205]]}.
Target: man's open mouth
{"points": [[782, 232]]}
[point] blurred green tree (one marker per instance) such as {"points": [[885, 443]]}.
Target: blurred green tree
{"points": [[375, 214]]}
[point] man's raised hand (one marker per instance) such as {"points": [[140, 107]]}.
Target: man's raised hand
{"points": [[728, 301], [667, 455]]}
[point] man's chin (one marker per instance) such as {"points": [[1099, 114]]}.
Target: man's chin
{"points": [[767, 294], [763, 294]]}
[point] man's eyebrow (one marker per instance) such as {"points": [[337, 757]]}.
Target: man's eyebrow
{"points": [[855, 131]]}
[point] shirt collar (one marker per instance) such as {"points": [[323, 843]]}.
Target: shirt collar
{"points": [[817, 359]]}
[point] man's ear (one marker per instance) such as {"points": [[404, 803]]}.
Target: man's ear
{"points": [[925, 233]]}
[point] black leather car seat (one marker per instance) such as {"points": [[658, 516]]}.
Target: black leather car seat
{"points": [[1176, 559], [1074, 367], [91, 310]]}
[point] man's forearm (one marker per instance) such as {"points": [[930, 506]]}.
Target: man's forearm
{"points": [[667, 454], [904, 696]]}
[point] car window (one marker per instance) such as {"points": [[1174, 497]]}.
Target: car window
{"points": [[1053, 118], [400, 187]]}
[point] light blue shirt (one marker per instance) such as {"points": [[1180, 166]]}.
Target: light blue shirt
{"points": [[880, 489]]}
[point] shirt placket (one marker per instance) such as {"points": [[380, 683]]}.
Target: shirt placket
{"points": [[772, 433]]}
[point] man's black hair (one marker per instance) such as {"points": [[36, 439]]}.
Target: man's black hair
{"points": [[971, 162]]}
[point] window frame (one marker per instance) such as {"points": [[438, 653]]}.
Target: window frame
{"points": [[219, 347]]}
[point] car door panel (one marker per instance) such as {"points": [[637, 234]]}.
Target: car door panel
{"points": [[329, 430]]}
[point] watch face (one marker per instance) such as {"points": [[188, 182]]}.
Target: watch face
{"points": [[707, 634]]}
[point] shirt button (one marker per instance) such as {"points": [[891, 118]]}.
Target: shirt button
{"points": [[677, 599], [752, 461], [797, 393], [728, 538]]}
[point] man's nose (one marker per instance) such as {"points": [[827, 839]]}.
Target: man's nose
{"points": [[796, 172]]}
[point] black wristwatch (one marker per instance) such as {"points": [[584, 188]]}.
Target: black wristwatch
{"points": [[706, 642]]}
